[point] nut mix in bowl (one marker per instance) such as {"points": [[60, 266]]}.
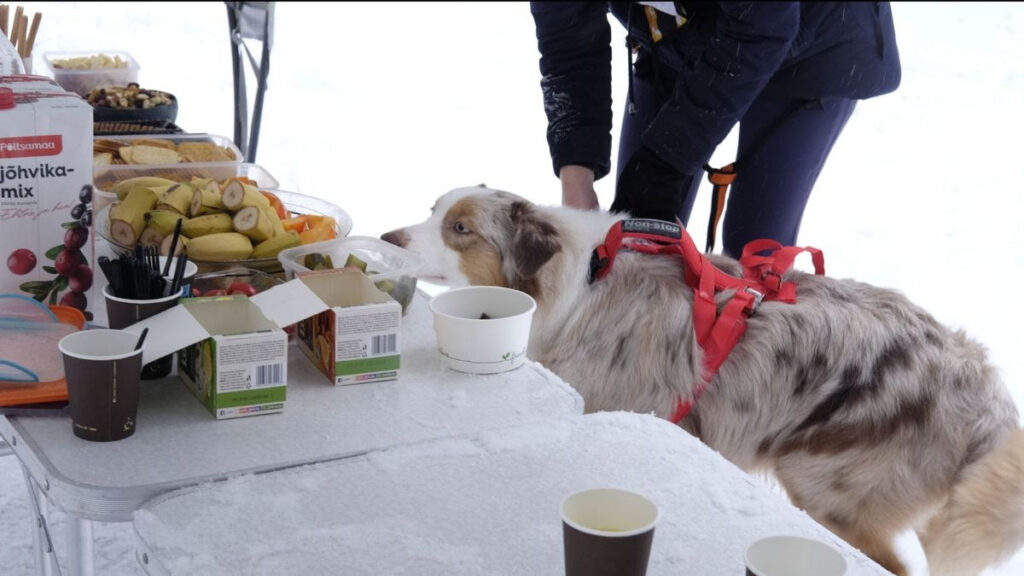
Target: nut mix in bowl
{"points": [[131, 103], [224, 223]]}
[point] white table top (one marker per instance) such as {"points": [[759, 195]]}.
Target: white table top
{"points": [[179, 443], [484, 504]]}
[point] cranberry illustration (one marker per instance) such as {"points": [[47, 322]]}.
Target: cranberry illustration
{"points": [[76, 237], [80, 279], [75, 300], [21, 261], [67, 260], [85, 195]]}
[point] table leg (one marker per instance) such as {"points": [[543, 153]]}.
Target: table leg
{"points": [[80, 546], [42, 545]]}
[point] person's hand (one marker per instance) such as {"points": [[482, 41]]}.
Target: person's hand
{"points": [[649, 187], [578, 187]]}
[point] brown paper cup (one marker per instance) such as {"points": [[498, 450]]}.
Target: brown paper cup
{"points": [[102, 370], [793, 556], [607, 532], [123, 312]]}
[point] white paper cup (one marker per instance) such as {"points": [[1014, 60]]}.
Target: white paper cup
{"points": [[607, 532], [793, 556], [469, 342]]}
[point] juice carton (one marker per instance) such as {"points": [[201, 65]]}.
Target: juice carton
{"points": [[45, 196]]}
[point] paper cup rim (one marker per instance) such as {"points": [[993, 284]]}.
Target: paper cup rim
{"points": [[80, 356], [454, 292], [757, 571], [619, 533], [109, 295]]}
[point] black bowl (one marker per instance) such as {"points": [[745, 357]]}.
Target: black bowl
{"points": [[163, 112]]}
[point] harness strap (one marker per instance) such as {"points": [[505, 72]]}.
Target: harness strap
{"points": [[716, 333]]}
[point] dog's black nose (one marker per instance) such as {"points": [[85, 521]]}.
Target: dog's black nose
{"points": [[396, 237]]}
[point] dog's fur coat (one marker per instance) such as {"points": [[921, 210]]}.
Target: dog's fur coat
{"points": [[873, 416]]}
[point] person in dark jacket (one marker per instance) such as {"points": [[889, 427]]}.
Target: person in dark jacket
{"points": [[790, 73]]}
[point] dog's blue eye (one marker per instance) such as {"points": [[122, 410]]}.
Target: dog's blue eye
{"points": [[461, 228]]}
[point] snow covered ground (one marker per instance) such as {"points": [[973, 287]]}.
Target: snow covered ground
{"points": [[381, 107]]}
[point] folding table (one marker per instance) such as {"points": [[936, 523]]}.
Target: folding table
{"points": [[178, 443]]}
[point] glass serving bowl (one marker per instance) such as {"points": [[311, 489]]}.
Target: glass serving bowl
{"points": [[295, 204]]}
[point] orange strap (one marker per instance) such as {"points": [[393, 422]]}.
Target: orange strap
{"points": [[720, 178]]}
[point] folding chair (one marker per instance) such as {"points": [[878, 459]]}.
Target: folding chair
{"points": [[249, 21]]}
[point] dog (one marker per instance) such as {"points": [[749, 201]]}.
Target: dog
{"points": [[873, 416]]}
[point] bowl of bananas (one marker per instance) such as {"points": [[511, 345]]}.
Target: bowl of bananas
{"points": [[224, 224]]}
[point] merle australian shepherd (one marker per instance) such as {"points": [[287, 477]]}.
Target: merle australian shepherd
{"points": [[873, 416]]}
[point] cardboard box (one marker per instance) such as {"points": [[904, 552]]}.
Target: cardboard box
{"points": [[241, 369], [232, 350], [46, 216], [358, 338]]}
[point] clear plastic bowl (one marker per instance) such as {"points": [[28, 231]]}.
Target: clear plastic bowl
{"points": [[392, 269], [82, 80], [294, 203], [221, 141]]}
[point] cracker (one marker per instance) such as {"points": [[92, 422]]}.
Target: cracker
{"points": [[152, 155], [203, 152], [103, 159]]}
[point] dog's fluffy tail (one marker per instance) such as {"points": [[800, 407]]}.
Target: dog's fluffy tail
{"points": [[982, 523]]}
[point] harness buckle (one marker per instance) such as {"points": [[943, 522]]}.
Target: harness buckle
{"points": [[758, 298]]}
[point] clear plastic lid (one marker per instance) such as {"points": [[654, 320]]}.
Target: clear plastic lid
{"points": [[30, 332]]}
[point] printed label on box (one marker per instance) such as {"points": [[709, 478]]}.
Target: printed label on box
{"points": [[46, 197]]}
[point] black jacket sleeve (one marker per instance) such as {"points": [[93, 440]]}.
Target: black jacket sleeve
{"points": [[723, 72], [574, 40]]}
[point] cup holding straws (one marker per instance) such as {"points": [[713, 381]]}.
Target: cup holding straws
{"points": [[137, 288]]}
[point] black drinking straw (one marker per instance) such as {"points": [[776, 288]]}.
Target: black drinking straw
{"points": [[174, 245], [142, 338]]}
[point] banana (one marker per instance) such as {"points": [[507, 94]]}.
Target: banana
{"points": [[165, 245], [163, 221], [177, 197], [205, 199], [121, 188], [128, 217], [237, 195], [150, 236], [270, 248], [275, 220], [219, 246], [207, 224], [254, 223]]}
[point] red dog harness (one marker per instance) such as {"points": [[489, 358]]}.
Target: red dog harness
{"points": [[716, 334]]}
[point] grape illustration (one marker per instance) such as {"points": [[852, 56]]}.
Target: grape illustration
{"points": [[85, 195], [21, 261]]}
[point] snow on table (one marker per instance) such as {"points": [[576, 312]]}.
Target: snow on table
{"points": [[484, 504]]}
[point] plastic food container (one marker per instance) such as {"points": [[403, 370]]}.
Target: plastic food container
{"points": [[105, 177], [104, 144], [82, 80], [391, 268], [238, 278]]}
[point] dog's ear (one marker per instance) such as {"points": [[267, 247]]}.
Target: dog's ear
{"points": [[534, 240]]}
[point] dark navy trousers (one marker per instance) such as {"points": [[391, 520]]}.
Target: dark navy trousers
{"points": [[779, 160]]}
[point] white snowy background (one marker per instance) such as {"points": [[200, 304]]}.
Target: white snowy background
{"points": [[381, 107]]}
